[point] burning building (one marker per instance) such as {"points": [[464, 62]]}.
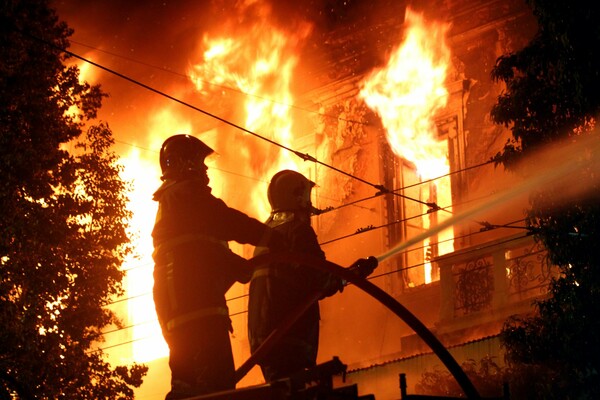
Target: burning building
{"points": [[391, 119], [403, 109]]}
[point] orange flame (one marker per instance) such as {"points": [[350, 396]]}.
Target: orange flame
{"points": [[406, 94], [258, 65], [409, 91], [147, 342]]}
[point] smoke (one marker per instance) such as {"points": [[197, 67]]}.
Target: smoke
{"points": [[557, 167]]}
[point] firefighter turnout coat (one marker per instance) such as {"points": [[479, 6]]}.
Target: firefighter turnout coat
{"points": [[194, 268], [277, 289]]}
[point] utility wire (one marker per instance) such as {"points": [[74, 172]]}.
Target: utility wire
{"points": [[232, 89], [507, 225], [486, 228], [450, 256], [303, 156], [448, 174], [355, 202], [485, 225], [479, 248], [372, 227], [156, 319], [407, 187]]}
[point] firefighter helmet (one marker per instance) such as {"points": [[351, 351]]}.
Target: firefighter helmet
{"points": [[183, 156], [289, 191]]}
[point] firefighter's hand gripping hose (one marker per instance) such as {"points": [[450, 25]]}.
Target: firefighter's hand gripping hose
{"points": [[351, 276], [364, 267]]}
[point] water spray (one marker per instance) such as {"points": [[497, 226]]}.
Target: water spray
{"points": [[544, 177], [374, 291]]}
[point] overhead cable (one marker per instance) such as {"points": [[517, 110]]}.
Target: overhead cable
{"points": [[328, 209], [304, 156], [486, 226], [239, 297], [229, 88], [479, 248], [450, 256]]}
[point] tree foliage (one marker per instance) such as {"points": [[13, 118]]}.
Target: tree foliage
{"points": [[487, 376], [552, 94], [63, 226], [491, 379]]}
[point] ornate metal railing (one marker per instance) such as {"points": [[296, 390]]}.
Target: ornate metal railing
{"points": [[493, 275], [528, 272], [474, 285]]}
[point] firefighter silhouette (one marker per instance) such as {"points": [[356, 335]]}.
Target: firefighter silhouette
{"points": [[277, 289], [194, 268]]}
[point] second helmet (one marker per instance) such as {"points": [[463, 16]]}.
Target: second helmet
{"points": [[289, 191]]}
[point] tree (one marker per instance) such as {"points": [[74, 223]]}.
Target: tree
{"points": [[63, 226], [553, 93], [487, 376]]}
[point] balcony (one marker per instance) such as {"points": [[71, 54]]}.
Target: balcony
{"points": [[485, 284]]}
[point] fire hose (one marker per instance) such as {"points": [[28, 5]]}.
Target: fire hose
{"points": [[412, 321]]}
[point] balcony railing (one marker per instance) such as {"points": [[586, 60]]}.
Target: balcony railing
{"points": [[502, 276]]}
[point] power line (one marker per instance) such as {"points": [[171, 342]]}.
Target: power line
{"points": [[486, 228], [212, 167], [355, 202], [151, 321], [371, 228], [408, 187], [229, 88], [485, 225], [136, 146], [479, 248], [508, 225], [303, 156], [128, 298]]}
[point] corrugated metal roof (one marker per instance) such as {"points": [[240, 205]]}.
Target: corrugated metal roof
{"points": [[475, 349]]}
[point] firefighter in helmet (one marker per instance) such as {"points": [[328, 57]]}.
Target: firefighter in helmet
{"points": [[277, 289], [194, 268]]}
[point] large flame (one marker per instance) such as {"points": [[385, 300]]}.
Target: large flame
{"points": [[258, 65], [142, 170], [406, 94], [409, 91]]}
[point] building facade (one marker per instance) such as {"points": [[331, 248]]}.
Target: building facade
{"points": [[462, 282]]}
